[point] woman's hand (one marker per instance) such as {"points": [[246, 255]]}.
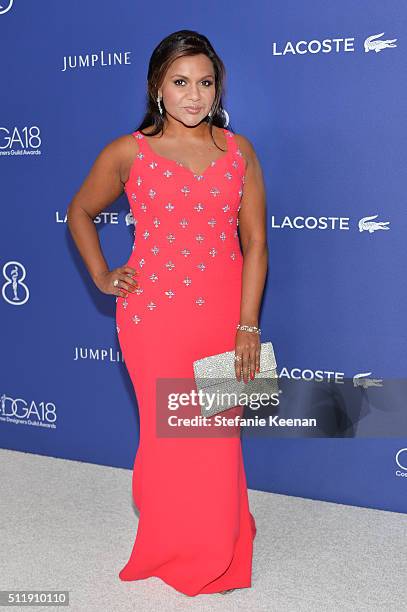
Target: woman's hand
{"points": [[247, 347], [124, 274]]}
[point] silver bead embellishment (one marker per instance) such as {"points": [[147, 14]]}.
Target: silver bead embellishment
{"points": [[153, 277], [136, 319], [228, 175], [200, 301], [152, 193], [226, 208], [201, 266], [213, 252], [222, 236], [170, 293], [212, 222], [167, 173], [170, 238], [156, 222], [146, 234], [170, 265], [185, 252], [187, 281], [142, 261], [185, 190], [169, 206], [199, 237], [199, 207], [214, 191], [125, 303], [183, 223], [151, 305], [155, 250]]}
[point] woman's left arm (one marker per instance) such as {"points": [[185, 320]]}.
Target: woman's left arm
{"points": [[252, 229]]}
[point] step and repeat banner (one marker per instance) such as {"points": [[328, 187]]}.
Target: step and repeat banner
{"points": [[319, 90]]}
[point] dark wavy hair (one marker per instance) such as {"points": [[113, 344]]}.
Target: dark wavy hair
{"points": [[179, 44]]}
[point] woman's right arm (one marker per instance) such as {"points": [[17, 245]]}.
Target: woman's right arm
{"points": [[103, 185]]}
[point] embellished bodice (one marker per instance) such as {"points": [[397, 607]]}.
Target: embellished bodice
{"points": [[186, 239]]}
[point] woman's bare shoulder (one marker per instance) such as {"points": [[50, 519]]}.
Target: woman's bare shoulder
{"points": [[246, 146], [119, 149], [125, 144], [123, 150]]}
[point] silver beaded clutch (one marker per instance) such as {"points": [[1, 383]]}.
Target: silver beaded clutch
{"points": [[215, 377]]}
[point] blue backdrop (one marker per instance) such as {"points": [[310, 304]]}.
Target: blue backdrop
{"points": [[319, 89]]}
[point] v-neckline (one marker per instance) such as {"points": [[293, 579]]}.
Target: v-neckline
{"points": [[181, 165]]}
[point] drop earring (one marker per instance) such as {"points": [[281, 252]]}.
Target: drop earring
{"points": [[159, 105]]}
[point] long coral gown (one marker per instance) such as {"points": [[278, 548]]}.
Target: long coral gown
{"points": [[195, 530]]}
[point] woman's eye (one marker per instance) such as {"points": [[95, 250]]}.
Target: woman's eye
{"points": [[182, 80]]}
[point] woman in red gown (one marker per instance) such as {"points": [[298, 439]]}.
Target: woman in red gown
{"points": [[180, 297]]}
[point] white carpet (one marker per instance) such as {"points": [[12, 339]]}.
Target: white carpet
{"points": [[70, 525]]}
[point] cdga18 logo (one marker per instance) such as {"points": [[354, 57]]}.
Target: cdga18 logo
{"points": [[27, 137]]}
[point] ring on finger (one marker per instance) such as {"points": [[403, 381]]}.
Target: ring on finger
{"points": [[116, 282]]}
